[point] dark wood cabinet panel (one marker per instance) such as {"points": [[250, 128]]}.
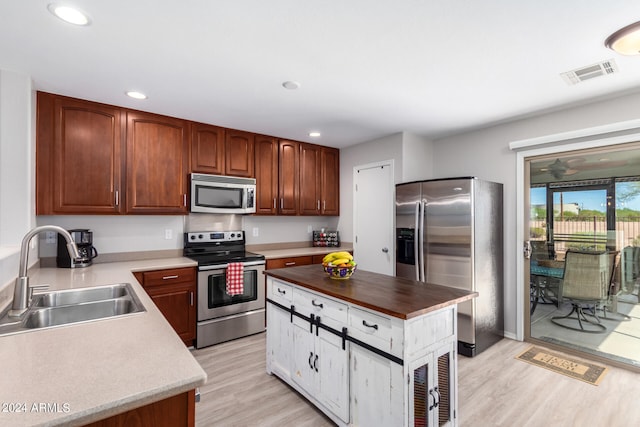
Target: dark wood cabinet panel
{"points": [[239, 153], [309, 179], [289, 262], [207, 149], [157, 164], [78, 156], [173, 291], [266, 168], [330, 181], [175, 411], [319, 180], [288, 178]]}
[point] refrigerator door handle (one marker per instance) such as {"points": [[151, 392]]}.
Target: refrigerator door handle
{"points": [[416, 242], [423, 263]]}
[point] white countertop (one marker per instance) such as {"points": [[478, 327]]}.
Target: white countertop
{"points": [[90, 371]]}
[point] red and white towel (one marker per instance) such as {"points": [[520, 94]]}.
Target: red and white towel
{"points": [[235, 278]]}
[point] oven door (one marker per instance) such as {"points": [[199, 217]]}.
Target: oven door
{"points": [[213, 300]]}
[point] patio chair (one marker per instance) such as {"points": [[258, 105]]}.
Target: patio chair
{"points": [[586, 285]]}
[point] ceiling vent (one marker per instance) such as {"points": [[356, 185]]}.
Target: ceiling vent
{"points": [[589, 72]]}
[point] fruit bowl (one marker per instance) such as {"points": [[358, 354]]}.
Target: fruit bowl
{"points": [[340, 273], [339, 265]]}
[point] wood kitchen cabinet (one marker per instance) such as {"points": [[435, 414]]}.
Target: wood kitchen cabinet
{"points": [[157, 164], [207, 149], [93, 158], [288, 178], [79, 156], [239, 153], [266, 171], [319, 180], [289, 262], [174, 293]]}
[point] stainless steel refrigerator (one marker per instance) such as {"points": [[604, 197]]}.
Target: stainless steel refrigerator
{"points": [[449, 232]]}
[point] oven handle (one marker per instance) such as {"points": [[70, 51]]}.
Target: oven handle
{"points": [[223, 266]]}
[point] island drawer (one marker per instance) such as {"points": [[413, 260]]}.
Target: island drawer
{"points": [[332, 313], [375, 330], [280, 292]]}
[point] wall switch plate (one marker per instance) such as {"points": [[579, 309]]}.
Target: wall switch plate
{"points": [[168, 234], [256, 231]]}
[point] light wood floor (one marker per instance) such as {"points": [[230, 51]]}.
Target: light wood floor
{"points": [[495, 389]]}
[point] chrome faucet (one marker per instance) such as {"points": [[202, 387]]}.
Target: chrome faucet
{"points": [[22, 291]]}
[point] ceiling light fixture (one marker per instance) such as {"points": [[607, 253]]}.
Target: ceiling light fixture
{"points": [[69, 14], [136, 95], [625, 41], [291, 85], [314, 134]]}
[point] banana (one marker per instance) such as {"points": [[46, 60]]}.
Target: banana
{"points": [[333, 257]]}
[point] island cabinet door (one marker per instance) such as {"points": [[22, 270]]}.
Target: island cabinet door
{"points": [[333, 374], [304, 354], [376, 390], [279, 342], [432, 397]]}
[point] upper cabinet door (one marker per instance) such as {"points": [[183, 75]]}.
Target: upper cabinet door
{"points": [[310, 179], [157, 164], [207, 149], [330, 181], [266, 164], [288, 179], [239, 153], [79, 148]]}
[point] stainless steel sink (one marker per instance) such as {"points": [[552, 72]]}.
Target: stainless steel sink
{"points": [[73, 306], [77, 296]]}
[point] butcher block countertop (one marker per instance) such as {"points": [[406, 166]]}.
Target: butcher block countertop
{"points": [[75, 374], [394, 296]]}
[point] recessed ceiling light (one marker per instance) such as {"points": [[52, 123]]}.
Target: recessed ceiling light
{"points": [[604, 159], [69, 14], [136, 94], [291, 85], [314, 134]]}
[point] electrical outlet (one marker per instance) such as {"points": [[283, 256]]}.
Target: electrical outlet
{"points": [[256, 231], [50, 237], [168, 234], [309, 228]]}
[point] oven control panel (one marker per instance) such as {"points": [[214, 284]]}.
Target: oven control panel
{"points": [[214, 236]]}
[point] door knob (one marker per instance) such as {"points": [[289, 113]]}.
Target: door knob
{"points": [[385, 250]]}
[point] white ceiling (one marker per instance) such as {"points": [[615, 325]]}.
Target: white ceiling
{"points": [[367, 68]]}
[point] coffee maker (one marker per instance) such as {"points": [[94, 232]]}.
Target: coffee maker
{"points": [[84, 240]]}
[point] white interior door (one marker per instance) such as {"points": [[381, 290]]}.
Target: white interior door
{"points": [[373, 217]]}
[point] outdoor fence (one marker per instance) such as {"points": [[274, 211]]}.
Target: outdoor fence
{"points": [[627, 231]]}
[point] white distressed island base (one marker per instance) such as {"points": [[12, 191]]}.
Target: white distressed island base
{"points": [[373, 350]]}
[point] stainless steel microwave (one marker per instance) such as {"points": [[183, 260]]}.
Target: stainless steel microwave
{"points": [[222, 194]]}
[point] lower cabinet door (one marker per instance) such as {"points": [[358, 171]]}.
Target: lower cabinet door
{"points": [[333, 374], [303, 372], [376, 390], [431, 388], [280, 341], [177, 304]]}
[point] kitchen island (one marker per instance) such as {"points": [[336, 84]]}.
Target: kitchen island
{"points": [[81, 373], [373, 350]]}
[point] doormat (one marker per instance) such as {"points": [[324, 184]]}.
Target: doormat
{"points": [[574, 368]]}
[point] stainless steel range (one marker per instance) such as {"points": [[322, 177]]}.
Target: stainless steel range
{"points": [[224, 315]]}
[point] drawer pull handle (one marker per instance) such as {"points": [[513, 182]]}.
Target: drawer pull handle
{"points": [[315, 363], [169, 277], [280, 291], [364, 322], [290, 263], [310, 357], [316, 304]]}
